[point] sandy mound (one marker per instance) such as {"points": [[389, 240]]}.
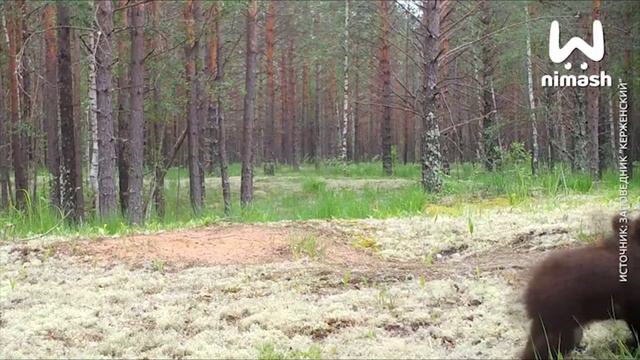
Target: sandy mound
{"points": [[234, 244]]}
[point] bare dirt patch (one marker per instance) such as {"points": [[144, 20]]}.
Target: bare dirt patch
{"points": [[235, 244], [221, 245]]}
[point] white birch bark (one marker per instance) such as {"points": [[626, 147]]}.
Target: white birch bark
{"points": [[93, 121], [345, 105], [532, 102]]}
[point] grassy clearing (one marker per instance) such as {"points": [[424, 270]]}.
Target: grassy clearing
{"points": [[310, 194], [305, 307]]}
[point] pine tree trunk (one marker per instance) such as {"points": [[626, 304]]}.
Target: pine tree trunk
{"points": [[18, 152], [387, 161], [317, 153], [562, 136], [593, 104], [71, 189], [532, 103], [431, 156], [76, 76], [246, 185], [122, 145], [305, 121], [27, 95], [4, 145], [217, 73], [613, 154], [280, 122], [580, 136], [407, 150], [293, 118], [358, 142], [270, 130], [105, 130], [489, 128], [136, 122], [50, 105], [192, 49], [215, 111]]}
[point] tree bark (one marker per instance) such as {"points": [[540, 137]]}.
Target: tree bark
{"points": [[305, 137], [14, 30], [358, 142], [50, 105], [105, 130], [593, 104], [532, 103], [489, 128], [246, 186], [136, 122], [431, 156], [269, 143], [387, 161], [215, 111], [283, 138], [317, 153], [562, 134], [4, 145], [293, 118], [92, 113], [122, 145], [71, 189], [345, 102], [193, 123], [580, 136]]}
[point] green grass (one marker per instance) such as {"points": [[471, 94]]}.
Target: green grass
{"points": [[269, 352], [306, 245], [309, 194]]}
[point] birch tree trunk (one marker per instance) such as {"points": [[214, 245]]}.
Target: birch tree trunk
{"points": [[532, 102], [92, 113], [345, 102]]}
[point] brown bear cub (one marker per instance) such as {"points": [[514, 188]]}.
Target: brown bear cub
{"points": [[572, 288]]}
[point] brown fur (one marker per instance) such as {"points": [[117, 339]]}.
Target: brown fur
{"points": [[572, 288]]}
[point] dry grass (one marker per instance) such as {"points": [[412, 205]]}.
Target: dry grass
{"points": [[389, 303]]}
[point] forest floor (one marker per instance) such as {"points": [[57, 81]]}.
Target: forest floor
{"points": [[443, 286]]}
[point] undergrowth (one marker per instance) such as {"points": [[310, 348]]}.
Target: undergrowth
{"points": [[308, 194]]}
